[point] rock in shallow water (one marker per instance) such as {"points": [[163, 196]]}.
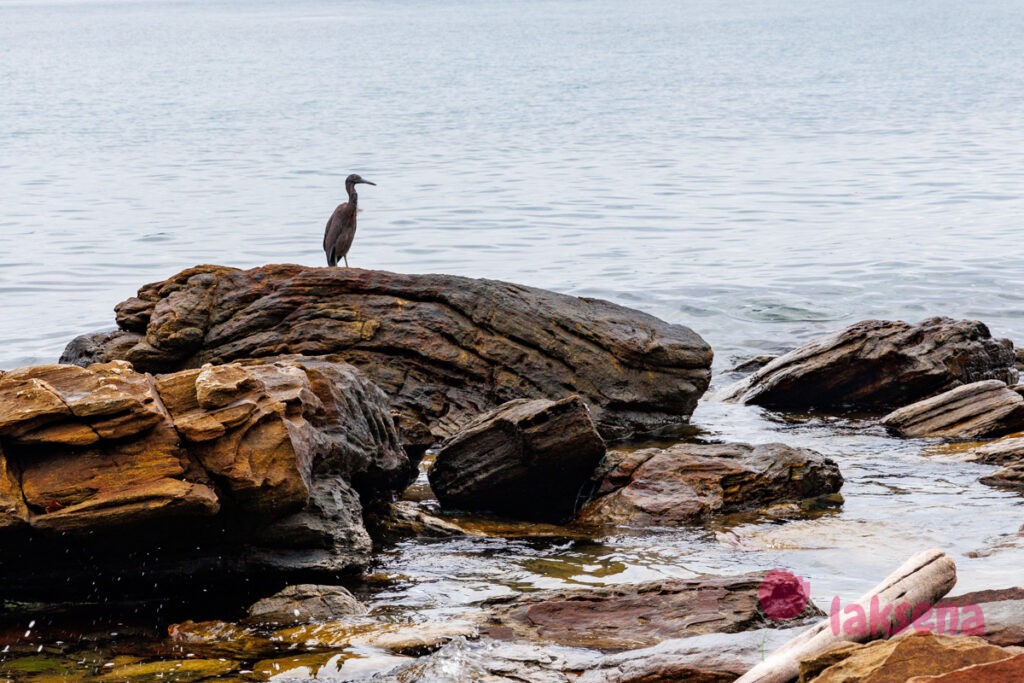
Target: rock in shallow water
{"points": [[655, 486], [106, 471], [445, 348], [526, 459], [304, 604], [979, 409], [634, 615], [880, 364]]}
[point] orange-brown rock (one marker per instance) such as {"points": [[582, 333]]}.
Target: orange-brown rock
{"points": [[880, 365], [633, 615], [897, 659], [656, 486], [223, 468], [444, 348], [1003, 671]]}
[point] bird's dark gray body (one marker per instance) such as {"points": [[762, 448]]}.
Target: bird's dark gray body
{"points": [[341, 226]]}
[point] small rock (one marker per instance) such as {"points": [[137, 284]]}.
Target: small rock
{"points": [[1003, 611], [880, 364], [751, 364], [979, 409], [1005, 451], [304, 604], [527, 459], [684, 482], [1009, 477]]}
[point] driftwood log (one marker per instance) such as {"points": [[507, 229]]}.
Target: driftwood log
{"points": [[922, 580]]}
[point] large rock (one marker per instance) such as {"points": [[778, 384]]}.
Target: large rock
{"points": [[880, 365], [979, 409], [634, 615], [526, 459], [898, 659], [444, 348], [687, 481], [222, 469]]}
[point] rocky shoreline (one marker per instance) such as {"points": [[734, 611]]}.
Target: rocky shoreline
{"points": [[243, 432]]}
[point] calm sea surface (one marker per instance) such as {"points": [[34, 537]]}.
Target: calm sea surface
{"points": [[762, 172]]}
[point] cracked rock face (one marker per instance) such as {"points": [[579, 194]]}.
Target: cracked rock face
{"points": [[260, 465], [444, 348]]}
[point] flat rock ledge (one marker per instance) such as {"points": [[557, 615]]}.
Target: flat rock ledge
{"points": [[685, 482], [526, 459], [444, 348], [222, 470], [979, 409], [635, 615], [880, 365]]}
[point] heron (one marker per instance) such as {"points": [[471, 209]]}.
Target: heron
{"points": [[341, 226]]}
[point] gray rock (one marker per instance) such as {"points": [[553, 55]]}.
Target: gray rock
{"points": [[880, 365], [979, 409], [304, 604], [526, 459]]}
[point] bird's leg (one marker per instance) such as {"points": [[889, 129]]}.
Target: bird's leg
{"points": [[346, 260]]}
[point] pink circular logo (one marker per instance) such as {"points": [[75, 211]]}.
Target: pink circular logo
{"points": [[783, 595]]}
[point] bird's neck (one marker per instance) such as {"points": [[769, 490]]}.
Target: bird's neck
{"points": [[352, 196]]}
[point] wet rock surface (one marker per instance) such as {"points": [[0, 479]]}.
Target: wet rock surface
{"points": [[1005, 451], [684, 482], [222, 469], [979, 409], [444, 348], [305, 603], [526, 459], [880, 365], [633, 615]]}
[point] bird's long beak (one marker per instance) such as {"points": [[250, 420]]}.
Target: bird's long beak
{"points": [[368, 182]]}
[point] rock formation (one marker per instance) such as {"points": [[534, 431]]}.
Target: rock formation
{"points": [[444, 348], [979, 409], [526, 459], [634, 615], [224, 468], [880, 365], [657, 487]]}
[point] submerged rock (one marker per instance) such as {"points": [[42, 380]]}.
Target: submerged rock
{"points": [[655, 486], [444, 348], [979, 409], [304, 604], [219, 470], [880, 364], [898, 659], [526, 459], [632, 616]]}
